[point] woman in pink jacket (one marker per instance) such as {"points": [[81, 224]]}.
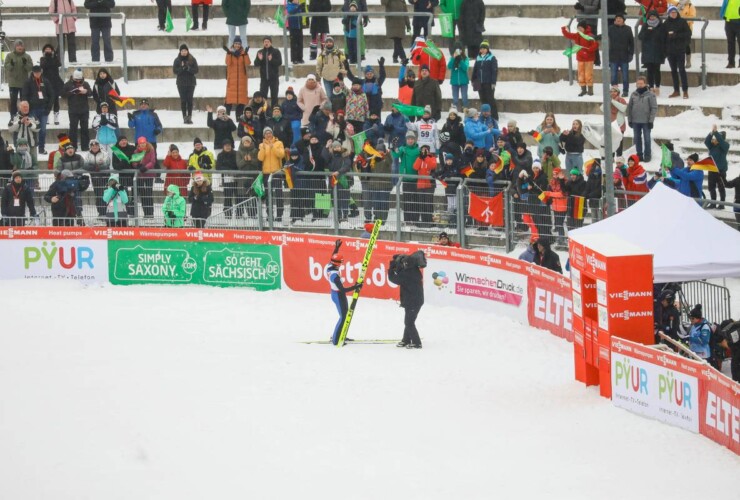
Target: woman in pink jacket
{"points": [[67, 25]]}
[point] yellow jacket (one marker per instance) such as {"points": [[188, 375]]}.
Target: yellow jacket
{"points": [[271, 155]]}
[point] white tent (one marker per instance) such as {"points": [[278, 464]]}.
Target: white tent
{"points": [[687, 243]]}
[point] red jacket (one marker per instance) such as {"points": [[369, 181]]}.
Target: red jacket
{"points": [[437, 67], [660, 5], [588, 52], [636, 179], [405, 93], [425, 166]]}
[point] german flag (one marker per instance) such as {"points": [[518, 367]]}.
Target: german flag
{"points": [[579, 205], [498, 166], [120, 100], [289, 176], [367, 148], [707, 164], [467, 171], [542, 196], [537, 136]]}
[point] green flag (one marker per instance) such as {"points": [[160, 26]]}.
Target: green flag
{"points": [[408, 110], [138, 156], [258, 187], [447, 25], [280, 16], [168, 26], [120, 154], [571, 50], [359, 140], [665, 160], [586, 37], [188, 20], [433, 50]]}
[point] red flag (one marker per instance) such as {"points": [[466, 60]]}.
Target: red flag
{"points": [[487, 210]]}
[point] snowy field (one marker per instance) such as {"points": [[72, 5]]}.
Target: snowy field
{"points": [[191, 393]]}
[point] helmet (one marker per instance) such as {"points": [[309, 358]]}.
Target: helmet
{"points": [[337, 259], [668, 295]]}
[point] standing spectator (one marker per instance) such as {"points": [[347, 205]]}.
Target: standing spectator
{"points": [[162, 7], [621, 51], [67, 26], [732, 29], [295, 27], [269, 60], [428, 93], [573, 142], [617, 109], [271, 154], [641, 111], [106, 126], [350, 33], [405, 271], [357, 107], [24, 126], [635, 179], [585, 55], [145, 178], [735, 184], [406, 80], [319, 26], [223, 127], [17, 195], [250, 125], [237, 14], [437, 67], [50, 65], [292, 112], [458, 66], [95, 161], [310, 96], [372, 87], [421, 23], [546, 258], [485, 75], [206, 4], [549, 136], [555, 195], [281, 127], [449, 172], [700, 333], [177, 167], [590, 7], [687, 10], [201, 159], [678, 37], [39, 94], [101, 89], [549, 161], [653, 38], [145, 123], [471, 25], [115, 199], [377, 189], [592, 190], [237, 62], [329, 66], [718, 148], [396, 27], [575, 186], [426, 130], [174, 207], [62, 195], [17, 65], [406, 155], [78, 94], [201, 200], [690, 182], [424, 166], [100, 27], [185, 67], [122, 153]]}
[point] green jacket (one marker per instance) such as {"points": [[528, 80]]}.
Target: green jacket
{"points": [[115, 200], [407, 156], [236, 12], [17, 68], [175, 204], [451, 7]]}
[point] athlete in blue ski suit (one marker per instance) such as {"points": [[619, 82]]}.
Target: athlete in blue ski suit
{"points": [[338, 292]]}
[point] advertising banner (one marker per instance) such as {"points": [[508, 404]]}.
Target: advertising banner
{"points": [[720, 409], [550, 302], [655, 384], [181, 262], [83, 260]]}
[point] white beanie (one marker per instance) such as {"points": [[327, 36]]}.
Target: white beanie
{"points": [[77, 74]]}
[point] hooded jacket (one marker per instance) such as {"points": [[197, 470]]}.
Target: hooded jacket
{"points": [[101, 90], [174, 208], [547, 259], [115, 199]]}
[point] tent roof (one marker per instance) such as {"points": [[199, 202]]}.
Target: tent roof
{"points": [[687, 243]]}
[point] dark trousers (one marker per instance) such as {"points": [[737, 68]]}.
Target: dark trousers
{"points": [[277, 194], [735, 364], [121, 222], [410, 333], [56, 104], [70, 40], [270, 86], [653, 74], [194, 12], [375, 203], [351, 50], [732, 32], [15, 93], [296, 45], [186, 99], [678, 70], [239, 109], [79, 121], [486, 94], [230, 196], [42, 116], [162, 7], [717, 182], [420, 26], [408, 200], [144, 187], [398, 52], [95, 35]]}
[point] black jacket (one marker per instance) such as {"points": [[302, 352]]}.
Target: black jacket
{"points": [[223, 129], [576, 187], [282, 130], [593, 185], [119, 164], [269, 70], [226, 160], [653, 44], [548, 259], [201, 200], [24, 194], [456, 130], [678, 35], [30, 93], [185, 68], [471, 22], [410, 279], [76, 102], [572, 142], [101, 91], [100, 7], [50, 66], [319, 24], [621, 44]]}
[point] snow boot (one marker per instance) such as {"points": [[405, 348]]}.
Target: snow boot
{"points": [[56, 117], [590, 90], [312, 51], [402, 344], [583, 91]]}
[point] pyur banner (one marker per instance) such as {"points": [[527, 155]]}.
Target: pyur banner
{"points": [[83, 260]]}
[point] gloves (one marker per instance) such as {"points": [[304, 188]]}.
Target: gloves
{"points": [[226, 49], [142, 169], [650, 126], [381, 61], [103, 120], [170, 214], [157, 131], [130, 116], [630, 124], [578, 6], [357, 287], [365, 22]]}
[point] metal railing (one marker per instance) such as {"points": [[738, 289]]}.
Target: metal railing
{"points": [[638, 45], [715, 300], [360, 30]]}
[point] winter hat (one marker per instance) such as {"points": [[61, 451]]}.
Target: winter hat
{"points": [[257, 94], [614, 88], [305, 130], [67, 146], [452, 112], [381, 146], [694, 157], [68, 173], [410, 74], [410, 134], [548, 150], [267, 130], [329, 39], [77, 74], [511, 124], [248, 137], [141, 140], [294, 151], [64, 140], [369, 227], [424, 67], [103, 105], [221, 108], [523, 174], [480, 152], [582, 24], [427, 109], [671, 8], [621, 14], [326, 106], [94, 142], [48, 46], [311, 76], [486, 108], [502, 138], [696, 312], [471, 112], [197, 141], [184, 46], [277, 106], [521, 145], [290, 91], [22, 142], [485, 45], [237, 39], [353, 3], [575, 171], [369, 69], [336, 145], [444, 137], [36, 69], [617, 176], [537, 164], [340, 112], [198, 176], [556, 171], [267, 37], [174, 148], [449, 156], [228, 141], [620, 159], [17, 173], [443, 235]]}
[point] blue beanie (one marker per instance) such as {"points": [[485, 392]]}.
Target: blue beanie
{"points": [[369, 69], [486, 108]]}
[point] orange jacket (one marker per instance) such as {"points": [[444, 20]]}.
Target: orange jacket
{"points": [[425, 166], [236, 78]]}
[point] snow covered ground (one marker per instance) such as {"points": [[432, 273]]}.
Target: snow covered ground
{"points": [[191, 392]]}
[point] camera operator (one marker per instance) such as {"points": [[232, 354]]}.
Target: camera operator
{"points": [[405, 271]]}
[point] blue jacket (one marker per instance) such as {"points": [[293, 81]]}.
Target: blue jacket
{"points": [[685, 177], [699, 339], [485, 69], [295, 23], [374, 130], [718, 151], [477, 132], [290, 110], [146, 124], [490, 140], [395, 127]]}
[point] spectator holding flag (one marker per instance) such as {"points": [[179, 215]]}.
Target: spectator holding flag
{"points": [[547, 135], [690, 180], [635, 179], [585, 55], [718, 147]]}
